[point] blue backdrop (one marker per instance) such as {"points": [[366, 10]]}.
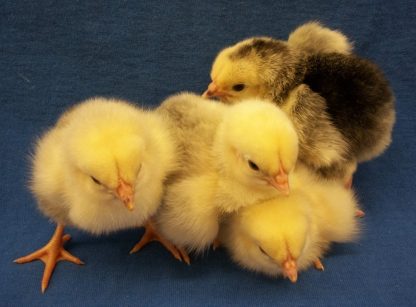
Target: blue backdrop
{"points": [[56, 53]]}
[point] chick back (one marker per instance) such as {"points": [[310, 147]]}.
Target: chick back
{"points": [[193, 122], [359, 100]]}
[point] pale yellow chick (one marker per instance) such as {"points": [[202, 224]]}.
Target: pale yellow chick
{"points": [[288, 234], [233, 156], [101, 168]]}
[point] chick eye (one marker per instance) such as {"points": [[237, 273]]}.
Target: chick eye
{"points": [[253, 165], [238, 87], [95, 180], [263, 251]]}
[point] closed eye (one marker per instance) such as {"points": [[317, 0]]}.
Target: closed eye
{"points": [[138, 171], [95, 180], [263, 251], [253, 165]]}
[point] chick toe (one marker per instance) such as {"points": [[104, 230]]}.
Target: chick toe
{"points": [[359, 213], [216, 244], [50, 254], [318, 265], [151, 234]]}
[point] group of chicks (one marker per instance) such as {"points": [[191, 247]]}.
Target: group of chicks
{"points": [[265, 170]]}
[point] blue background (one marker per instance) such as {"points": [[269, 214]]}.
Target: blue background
{"points": [[56, 53]]}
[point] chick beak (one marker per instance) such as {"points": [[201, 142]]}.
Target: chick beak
{"points": [[290, 269], [213, 91], [125, 194], [280, 182]]}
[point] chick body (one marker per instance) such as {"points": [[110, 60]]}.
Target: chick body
{"points": [[101, 156], [296, 229], [354, 100], [215, 175], [77, 165]]}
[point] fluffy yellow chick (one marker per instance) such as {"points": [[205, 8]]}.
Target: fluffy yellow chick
{"points": [[232, 156], [285, 235], [340, 104], [101, 168], [313, 37]]}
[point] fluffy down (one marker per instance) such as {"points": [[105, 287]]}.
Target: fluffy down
{"points": [[344, 96], [312, 37], [99, 152], [284, 235], [232, 156]]}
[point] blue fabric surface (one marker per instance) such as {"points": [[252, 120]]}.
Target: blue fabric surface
{"points": [[55, 53]]}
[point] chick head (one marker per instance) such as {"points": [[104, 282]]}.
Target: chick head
{"points": [[105, 147], [277, 235], [257, 67], [257, 145]]}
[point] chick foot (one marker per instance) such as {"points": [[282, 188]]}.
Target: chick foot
{"points": [[151, 234], [318, 264], [216, 244], [359, 213], [50, 254]]}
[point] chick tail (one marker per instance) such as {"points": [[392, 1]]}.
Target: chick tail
{"points": [[50, 254], [312, 37], [151, 234]]}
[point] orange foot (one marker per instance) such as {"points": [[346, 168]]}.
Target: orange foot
{"points": [[151, 234], [50, 254], [359, 213], [216, 244], [318, 264]]}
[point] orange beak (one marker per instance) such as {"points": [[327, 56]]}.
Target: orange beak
{"points": [[211, 91], [290, 269], [214, 91], [125, 193], [280, 181]]}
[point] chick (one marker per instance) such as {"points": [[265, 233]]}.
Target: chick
{"points": [[232, 156], [101, 168], [285, 235], [342, 95], [312, 37]]}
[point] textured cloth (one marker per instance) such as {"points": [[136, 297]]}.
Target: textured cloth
{"points": [[56, 53]]}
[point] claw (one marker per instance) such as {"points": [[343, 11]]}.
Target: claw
{"points": [[216, 244], [359, 213], [318, 264]]}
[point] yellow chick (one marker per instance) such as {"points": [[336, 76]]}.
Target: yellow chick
{"points": [[101, 168], [285, 235], [313, 37], [232, 156], [338, 102]]}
